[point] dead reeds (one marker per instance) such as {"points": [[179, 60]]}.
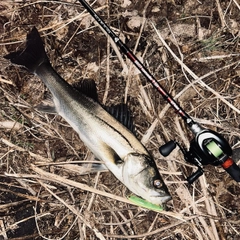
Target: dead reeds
{"points": [[191, 48]]}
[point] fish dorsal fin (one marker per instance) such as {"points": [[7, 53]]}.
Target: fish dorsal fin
{"points": [[121, 113], [87, 87]]}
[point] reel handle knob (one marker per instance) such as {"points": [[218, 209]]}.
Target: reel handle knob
{"points": [[195, 176], [167, 148], [232, 169]]}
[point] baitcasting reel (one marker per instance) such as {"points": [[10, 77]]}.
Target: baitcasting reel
{"points": [[208, 147]]}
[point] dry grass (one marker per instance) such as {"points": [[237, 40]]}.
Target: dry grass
{"points": [[193, 49]]}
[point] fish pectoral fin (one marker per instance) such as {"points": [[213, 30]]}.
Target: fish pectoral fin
{"points": [[111, 155], [87, 87], [122, 114]]}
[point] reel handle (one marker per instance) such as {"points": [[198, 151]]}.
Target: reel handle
{"points": [[195, 176]]}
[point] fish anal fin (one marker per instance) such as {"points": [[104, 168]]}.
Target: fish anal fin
{"points": [[47, 106]]}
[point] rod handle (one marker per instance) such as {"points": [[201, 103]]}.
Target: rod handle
{"points": [[232, 169]]}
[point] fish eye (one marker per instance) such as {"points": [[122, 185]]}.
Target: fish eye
{"points": [[157, 183]]}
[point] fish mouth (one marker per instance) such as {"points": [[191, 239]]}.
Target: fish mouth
{"points": [[140, 175], [164, 198], [159, 199], [155, 195]]}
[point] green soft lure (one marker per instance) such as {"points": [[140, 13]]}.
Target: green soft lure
{"points": [[143, 203]]}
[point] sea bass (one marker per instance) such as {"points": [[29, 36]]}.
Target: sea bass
{"points": [[108, 139]]}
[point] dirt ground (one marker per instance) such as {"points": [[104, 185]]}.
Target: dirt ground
{"points": [[46, 192]]}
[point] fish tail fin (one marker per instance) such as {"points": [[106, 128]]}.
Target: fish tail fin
{"points": [[33, 55]]}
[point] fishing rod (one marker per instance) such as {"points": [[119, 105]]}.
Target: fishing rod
{"points": [[207, 146]]}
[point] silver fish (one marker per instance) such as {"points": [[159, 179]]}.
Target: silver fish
{"points": [[106, 137]]}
